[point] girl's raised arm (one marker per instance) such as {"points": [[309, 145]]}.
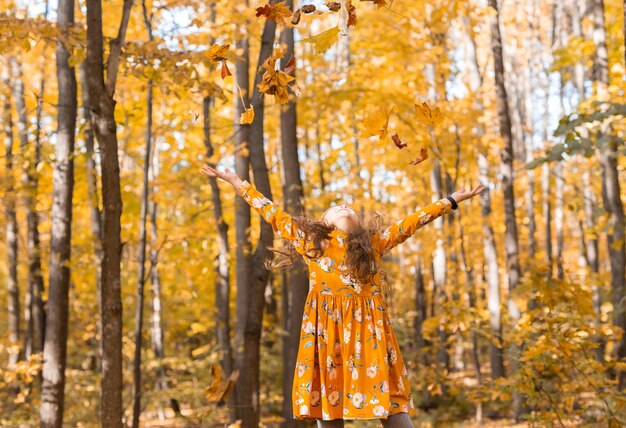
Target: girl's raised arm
{"points": [[401, 230], [280, 221]]}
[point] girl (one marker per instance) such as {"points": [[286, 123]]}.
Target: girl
{"points": [[349, 364]]}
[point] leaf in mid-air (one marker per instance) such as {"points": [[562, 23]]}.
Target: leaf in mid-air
{"points": [[275, 11], [427, 114], [220, 389], [247, 117], [352, 19], [324, 40], [274, 82], [423, 156], [225, 70], [396, 140], [376, 123], [290, 68], [218, 52]]}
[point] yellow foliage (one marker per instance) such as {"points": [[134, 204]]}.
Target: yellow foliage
{"points": [[324, 40]]}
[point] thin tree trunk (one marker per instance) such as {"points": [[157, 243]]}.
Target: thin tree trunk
{"points": [[55, 345], [11, 231], [507, 156], [243, 249], [611, 192], [494, 301], [295, 288], [92, 199], [29, 183], [250, 412], [103, 120]]}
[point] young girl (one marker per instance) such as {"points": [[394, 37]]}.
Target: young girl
{"points": [[349, 364]]}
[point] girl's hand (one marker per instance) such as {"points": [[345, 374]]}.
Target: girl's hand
{"points": [[226, 175], [461, 195]]}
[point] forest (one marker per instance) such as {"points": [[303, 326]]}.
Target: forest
{"points": [[135, 290]]}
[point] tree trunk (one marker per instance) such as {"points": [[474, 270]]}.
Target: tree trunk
{"points": [[29, 183], [55, 345], [13, 299], [295, 289], [611, 192], [243, 249], [103, 121], [506, 154], [92, 198], [250, 412]]}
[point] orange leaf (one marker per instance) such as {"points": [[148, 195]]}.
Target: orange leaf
{"points": [[225, 71], [396, 140], [247, 117], [290, 68], [220, 389], [427, 114], [422, 158], [376, 123], [351, 13], [275, 11]]}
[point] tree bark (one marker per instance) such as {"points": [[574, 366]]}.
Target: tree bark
{"points": [[507, 157], [243, 249], [611, 191], [295, 288], [55, 345], [103, 121], [13, 299], [249, 398]]}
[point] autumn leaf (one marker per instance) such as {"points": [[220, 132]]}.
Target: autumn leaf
{"points": [[308, 8], [218, 52], [274, 82], [379, 3], [290, 68], [352, 19], [376, 123], [225, 71], [247, 117], [396, 140], [323, 41], [275, 11], [423, 156], [295, 19], [427, 115], [333, 6], [220, 389]]}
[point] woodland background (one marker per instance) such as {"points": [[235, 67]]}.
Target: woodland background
{"points": [[141, 281]]}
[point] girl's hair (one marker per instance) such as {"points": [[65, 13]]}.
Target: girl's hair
{"points": [[361, 260]]}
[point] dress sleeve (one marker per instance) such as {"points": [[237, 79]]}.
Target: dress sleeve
{"points": [[280, 221], [401, 230]]}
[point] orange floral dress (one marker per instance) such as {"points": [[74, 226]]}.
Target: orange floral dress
{"points": [[349, 364]]}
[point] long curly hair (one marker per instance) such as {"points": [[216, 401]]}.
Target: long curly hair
{"points": [[361, 260]]}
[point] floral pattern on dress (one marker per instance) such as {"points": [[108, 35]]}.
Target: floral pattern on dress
{"points": [[349, 363]]}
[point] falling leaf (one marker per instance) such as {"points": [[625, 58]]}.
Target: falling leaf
{"points": [[396, 140], [218, 52], [333, 6], [274, 82], [247, 117], [295, 20], [428, 115], [290, 68], [376, 123], [275, 11], [225, 71], [220, 389], [379, 3], [308, 8], [352, 19], [423, 156], [323, 41]]}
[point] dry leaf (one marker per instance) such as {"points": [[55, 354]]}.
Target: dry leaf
{"points": [[396, 140], [423, 156], [247, 117], [351, 13], [274, 82], [225, 71], [290, 68], [323, 41], [333, 6], [308, 8], [376, 123], [275, 11], [220, 389], [428, 115]]}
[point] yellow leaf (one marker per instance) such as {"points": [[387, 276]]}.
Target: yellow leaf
{"points": [[376, 123], [323, 41], [247, 117], [427, 115], [220, 389]]}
